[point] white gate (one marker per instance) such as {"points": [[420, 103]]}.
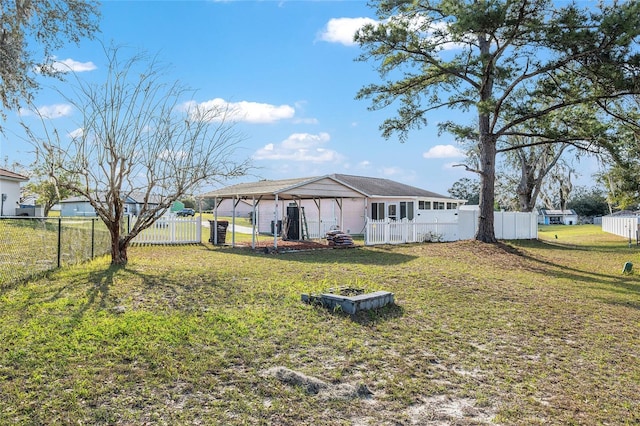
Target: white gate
{"points": [[170, 230]]}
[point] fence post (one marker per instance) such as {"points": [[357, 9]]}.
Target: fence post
{"points": [[59, 240], [93, 235]]}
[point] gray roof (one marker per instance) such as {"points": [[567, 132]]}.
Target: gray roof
{"points": [[377, 187], [9, 175], [329, 186]]}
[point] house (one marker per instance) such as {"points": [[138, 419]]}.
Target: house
{"points": [[80, 206], [10, 192], [557, 217], [309, 207]]}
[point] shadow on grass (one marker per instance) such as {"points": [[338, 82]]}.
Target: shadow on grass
{"points": [[369, 256], [99, 283], [613, 283]]}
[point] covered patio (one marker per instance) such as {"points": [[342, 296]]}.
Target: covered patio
{"points": [[286, 198]]}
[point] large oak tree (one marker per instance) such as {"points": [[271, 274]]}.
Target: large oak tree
{"points": [[513, 63]]}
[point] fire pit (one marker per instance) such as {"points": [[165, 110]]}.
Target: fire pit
{"points": [[350, 300]]}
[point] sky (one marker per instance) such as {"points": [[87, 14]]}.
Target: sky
{"points": [[287, 67]]}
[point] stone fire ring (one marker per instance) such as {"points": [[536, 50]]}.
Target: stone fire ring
{"points": [[347, 301]]}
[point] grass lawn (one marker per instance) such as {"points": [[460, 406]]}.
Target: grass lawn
{"points": [[524, 333]]}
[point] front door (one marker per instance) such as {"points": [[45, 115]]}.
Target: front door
{"points": [[392, 211]]}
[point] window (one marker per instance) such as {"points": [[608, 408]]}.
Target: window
{"points": [[438, 205], [424, 205], [452, 206], [377, 211], [406, 210]]}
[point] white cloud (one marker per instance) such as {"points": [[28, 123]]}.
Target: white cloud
{"points": [[444, 151], [300, 147], [342, 30], [250, 112], [70, 65], [49, 111], [77, 133], [392, 171], [306, 121]]}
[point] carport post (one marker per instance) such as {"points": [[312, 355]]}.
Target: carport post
{"points": [[215, 221], [275, 224], [233, 222], [253, 223]]}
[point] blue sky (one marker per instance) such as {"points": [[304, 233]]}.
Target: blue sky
{"points": [[289, 67]]}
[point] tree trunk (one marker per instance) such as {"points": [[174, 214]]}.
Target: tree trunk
{"points": [[486, 231], [526, 185], [487, 147], [118, 253], [118, 246]]}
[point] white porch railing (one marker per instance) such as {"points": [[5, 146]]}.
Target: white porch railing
{"points": [[173, 230]]}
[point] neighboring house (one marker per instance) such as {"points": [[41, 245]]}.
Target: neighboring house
{"points": [[337, 200], [79, 206], [10, 192], [557, 217]]}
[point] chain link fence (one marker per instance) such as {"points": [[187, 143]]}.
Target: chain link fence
{"points": [[29, 246]]}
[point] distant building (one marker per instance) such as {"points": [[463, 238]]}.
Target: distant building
{"points": [[557, 217], [79, 206]]}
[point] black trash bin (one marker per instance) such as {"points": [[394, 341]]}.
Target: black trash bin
{"points": [[222, 231]]}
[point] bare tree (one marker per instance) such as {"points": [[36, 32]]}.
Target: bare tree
{"points": [[528, 167], [138, 137], [557, 189]]}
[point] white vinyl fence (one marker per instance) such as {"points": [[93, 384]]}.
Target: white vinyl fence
{"points": [[170, 230], [507, 226], [624, 226]]}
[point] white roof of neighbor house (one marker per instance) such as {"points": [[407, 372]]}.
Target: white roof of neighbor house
{"points": [[9, 175], [329, 186]]}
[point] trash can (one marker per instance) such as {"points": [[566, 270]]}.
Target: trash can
{"points": [[276, 227], [222, 231]]}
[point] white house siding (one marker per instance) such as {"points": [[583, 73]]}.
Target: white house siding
{"points": [[329, 214], [12, 191], [352, 219], [242, 209]]}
